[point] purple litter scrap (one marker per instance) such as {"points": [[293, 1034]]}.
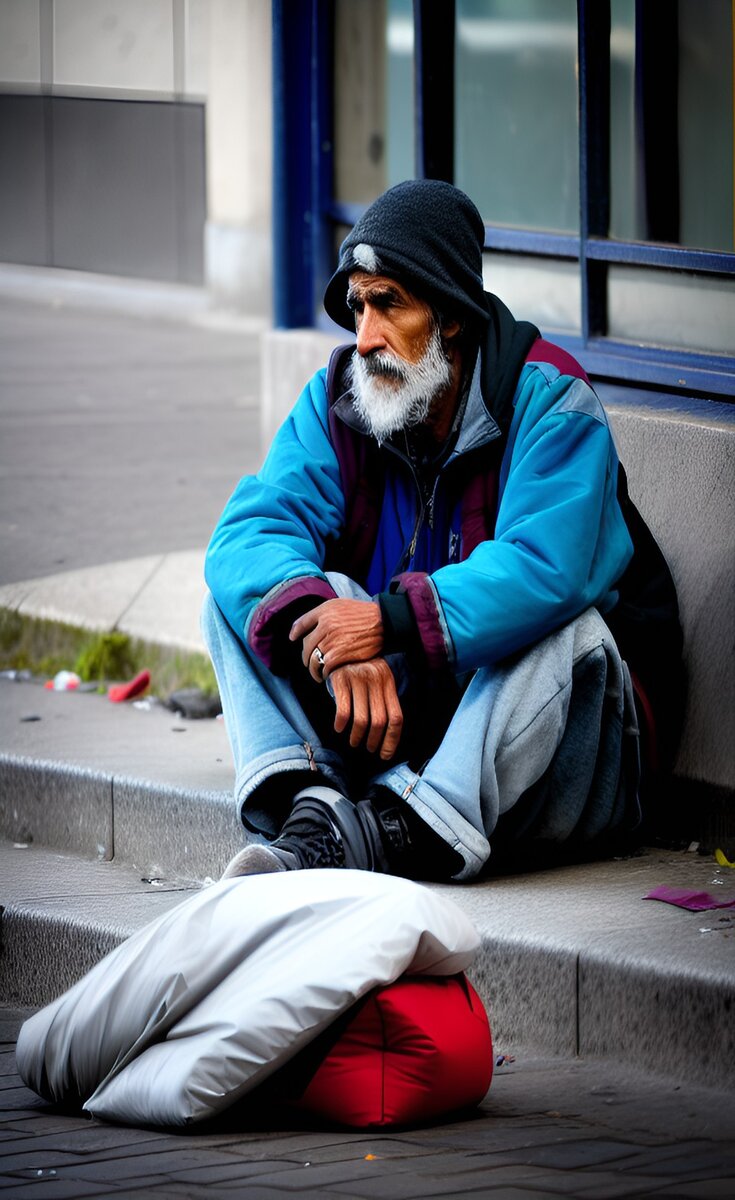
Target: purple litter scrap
{"points": [[686, 898]]}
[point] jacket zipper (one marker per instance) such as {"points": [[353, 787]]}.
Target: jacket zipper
{"points": [[425, 510], [411, 550]]}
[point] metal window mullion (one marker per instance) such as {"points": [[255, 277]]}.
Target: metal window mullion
{"points": [[293, 267], [322, 149], [434, 34], [594, 158], [648, 254]]}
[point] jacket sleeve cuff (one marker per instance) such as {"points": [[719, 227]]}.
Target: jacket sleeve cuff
{"points": [[400, 633], [428, 617], [271, 619]]}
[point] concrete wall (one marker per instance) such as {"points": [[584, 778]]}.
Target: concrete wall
{"points": [[137, 178], [239, 158], [680, 459]]}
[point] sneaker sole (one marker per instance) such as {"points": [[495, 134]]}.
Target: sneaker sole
{"points": [[253, 860]]}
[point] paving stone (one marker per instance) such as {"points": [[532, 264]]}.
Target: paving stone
{"points": [[19, 1098], [710, 1189], [31, 1159], [616, 1187], [420, 1184], [133, 1143], [709, 1163], [48, 1187], [321, 1175], [588, 1152], [261, 1191], [152, 1162], [44, 1120], [600, 1185], [514, 1146], [10, 1116], [231, 1171], [7, 1063], [84, 1137], [162, 1187], [663, 1155], [7, 1081]]}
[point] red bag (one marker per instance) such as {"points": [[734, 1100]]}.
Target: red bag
{"points": [[412, 1051]]}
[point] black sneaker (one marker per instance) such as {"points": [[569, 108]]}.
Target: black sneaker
{"points": [[324, 829]]}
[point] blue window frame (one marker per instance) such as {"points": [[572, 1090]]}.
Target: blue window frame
{"points": [[307, 216]]}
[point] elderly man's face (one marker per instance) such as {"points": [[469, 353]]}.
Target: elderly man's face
{"points": [[388, 318], [399, 369]]}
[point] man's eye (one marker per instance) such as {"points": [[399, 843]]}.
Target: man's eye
{"points": [[385, 301]]}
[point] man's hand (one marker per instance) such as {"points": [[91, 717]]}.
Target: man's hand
{"points": [[365, 695], [346, 631]]}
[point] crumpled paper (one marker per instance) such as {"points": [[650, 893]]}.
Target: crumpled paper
{"points": [[688, 898]]}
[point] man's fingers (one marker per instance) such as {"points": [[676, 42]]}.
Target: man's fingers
{"points": [[304, 624], [366, 700], [360, 711], [343, 701], [394, 730], [378, 721]]}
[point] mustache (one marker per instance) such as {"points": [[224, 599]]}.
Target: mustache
{"points": [[378, 364]]}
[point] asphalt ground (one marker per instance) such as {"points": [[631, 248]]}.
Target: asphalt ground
{"points": [[122, 434]]}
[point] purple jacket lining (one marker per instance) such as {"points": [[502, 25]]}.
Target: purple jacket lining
{"points": [[260, 632]]}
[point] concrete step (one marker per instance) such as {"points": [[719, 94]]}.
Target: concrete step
{"points": [[573, 960]]}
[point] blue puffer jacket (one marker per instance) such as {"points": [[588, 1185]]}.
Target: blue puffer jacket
{"points": [[524, 531]]}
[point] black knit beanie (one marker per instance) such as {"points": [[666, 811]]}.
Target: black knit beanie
{"points": [[426, 234]]}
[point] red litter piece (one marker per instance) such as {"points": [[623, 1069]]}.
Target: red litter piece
{"points": [[126, 691]]}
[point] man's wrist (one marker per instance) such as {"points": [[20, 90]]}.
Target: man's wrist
{"points": [[400, 631]]}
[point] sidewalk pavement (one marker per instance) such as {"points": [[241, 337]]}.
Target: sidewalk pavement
{"points": [[546, 1129], [111, 812], [156, 598]]}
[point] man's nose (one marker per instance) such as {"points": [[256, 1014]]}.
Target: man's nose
{"points": [[370, 331]]}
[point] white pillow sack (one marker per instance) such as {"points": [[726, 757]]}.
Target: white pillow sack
{"points": [[201, 1005]]}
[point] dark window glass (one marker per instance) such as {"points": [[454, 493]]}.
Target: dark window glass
{"points": [[373, 97], [672, 105], [516, 149]]}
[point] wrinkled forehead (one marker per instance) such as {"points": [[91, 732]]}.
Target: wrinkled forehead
{"points": [[364, 287]]}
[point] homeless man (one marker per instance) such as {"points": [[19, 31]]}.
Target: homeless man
{"points": [[426, 607]]}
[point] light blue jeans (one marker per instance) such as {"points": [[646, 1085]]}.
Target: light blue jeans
{"points": [[554, 728]]}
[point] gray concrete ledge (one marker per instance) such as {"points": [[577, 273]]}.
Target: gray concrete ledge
{"points": [[573, 961], [156, 598]]}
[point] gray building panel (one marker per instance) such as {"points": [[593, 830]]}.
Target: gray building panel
{"points": [[111, 186], [23, 180]]}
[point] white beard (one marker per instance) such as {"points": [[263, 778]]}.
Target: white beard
{"points": [[391, 394]]}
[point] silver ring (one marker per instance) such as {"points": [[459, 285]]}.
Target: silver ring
{"points": [[319, 657]]}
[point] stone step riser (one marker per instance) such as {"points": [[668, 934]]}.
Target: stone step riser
{"points": [[555, 999]]}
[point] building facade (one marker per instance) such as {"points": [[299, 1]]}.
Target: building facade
{"points": [[135, 140], [231, 144]]}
